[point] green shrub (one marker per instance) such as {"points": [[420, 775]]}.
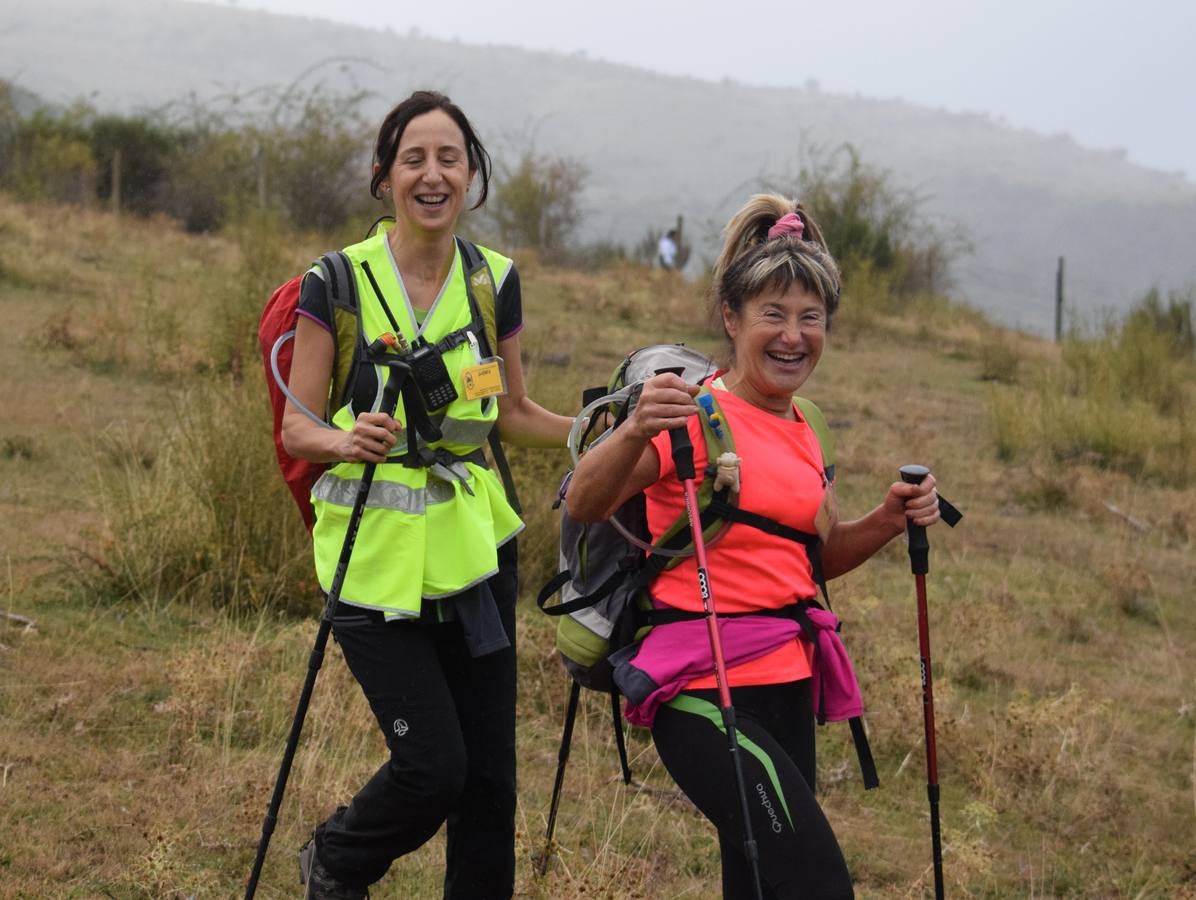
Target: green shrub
{"points": [[211, 183], [146, 151], [1173, 321], [303, 156], [873, 225], [536, 203], [999, 359], [318, 164], [50, 157], [1119, 401]]}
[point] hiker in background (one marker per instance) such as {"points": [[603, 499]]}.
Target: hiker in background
{"points": [[775, 288], [427, 611], [666, 250]]}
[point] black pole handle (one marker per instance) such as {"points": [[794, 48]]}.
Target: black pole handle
{"points": [[683, 453], [683, 447], [919, 546], [395, 379]]}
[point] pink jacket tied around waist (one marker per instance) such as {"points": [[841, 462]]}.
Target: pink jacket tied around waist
{"points": [[656, 670]]}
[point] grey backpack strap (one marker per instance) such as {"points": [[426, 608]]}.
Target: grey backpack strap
{"points": [[474, 262], [342, 286]]}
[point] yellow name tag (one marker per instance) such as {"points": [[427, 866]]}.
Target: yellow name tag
{"points": [[486, 379]]}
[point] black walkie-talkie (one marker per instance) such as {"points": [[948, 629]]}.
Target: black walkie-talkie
{"points": [[431, 377]]}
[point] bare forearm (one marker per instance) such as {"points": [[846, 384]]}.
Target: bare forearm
{"points": [[304, 439], [607, 475], [373, 434], [525, 423], [851, 543]]}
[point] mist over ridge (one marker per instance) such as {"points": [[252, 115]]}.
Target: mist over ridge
{"points": [[657, 146]]}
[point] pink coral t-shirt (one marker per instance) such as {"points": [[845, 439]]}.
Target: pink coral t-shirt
{"points": [[781, 477]]}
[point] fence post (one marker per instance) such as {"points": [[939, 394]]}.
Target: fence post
{"points": [[1059, 302], [261, 176], [114, 196]]}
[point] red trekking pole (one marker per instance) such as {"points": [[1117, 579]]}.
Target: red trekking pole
{"points": [[919, 560], [683, 459]]}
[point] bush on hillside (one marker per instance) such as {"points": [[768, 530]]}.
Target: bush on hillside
{"points": [[317, 165], [147, 151], [212, 185], [873, 225], [1123, 399], [47, 154], [303, 157], [1173, 322], [536, 203]]}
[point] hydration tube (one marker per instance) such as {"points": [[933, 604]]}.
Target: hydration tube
{"points": [[580, 421], [583, 418], [282, 384]]}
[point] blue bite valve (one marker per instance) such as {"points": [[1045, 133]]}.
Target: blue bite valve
{"points": [[716, 422]]}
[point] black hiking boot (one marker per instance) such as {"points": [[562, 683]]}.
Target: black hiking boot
{"points": [[320, 884]]}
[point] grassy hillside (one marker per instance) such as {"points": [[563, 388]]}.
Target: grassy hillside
{"points": [[159, 607], [1022, 198]]}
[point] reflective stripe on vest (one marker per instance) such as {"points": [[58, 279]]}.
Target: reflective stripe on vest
{"points": [[456, 433], [384, 494]]}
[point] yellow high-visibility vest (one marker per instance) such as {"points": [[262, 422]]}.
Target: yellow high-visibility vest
{"points": [[421, 536]]}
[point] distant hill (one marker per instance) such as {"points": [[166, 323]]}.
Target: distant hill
{"points": [[657, 146]]}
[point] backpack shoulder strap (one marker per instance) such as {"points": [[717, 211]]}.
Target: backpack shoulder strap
{"points": [[340, 290], [817, 421], [342, 285], [483, 301], [718, 440], [483, 296]]}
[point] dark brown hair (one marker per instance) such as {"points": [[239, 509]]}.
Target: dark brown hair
{"points": [[400, 117]]}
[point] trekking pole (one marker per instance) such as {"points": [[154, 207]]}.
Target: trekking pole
{"points": [[562, 758], [919, 559], [683, 459], [316, 659]]}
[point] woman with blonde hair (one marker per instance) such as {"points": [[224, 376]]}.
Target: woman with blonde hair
{"points": [[775, 289]]}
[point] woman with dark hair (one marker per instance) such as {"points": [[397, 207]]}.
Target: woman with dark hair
{"points": [[426, 612], [775, 289]]}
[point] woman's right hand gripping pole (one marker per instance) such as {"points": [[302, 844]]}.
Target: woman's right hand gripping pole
{"points": [[373, 433]]}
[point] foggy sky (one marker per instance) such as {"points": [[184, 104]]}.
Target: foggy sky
{"points": [[1112, 75]]}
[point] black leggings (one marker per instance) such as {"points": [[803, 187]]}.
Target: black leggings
{"points": [[449, 722], [799, 856]]}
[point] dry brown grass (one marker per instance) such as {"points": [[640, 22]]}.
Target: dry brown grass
{"points": [[139, 739]]}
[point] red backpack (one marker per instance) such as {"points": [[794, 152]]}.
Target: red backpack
{"points": [[275, 330]]}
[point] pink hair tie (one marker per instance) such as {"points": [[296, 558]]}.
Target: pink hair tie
{"points": [[790, 223]]}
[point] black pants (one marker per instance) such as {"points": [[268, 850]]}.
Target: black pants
{"points": [[799, 856], [449, 722]]}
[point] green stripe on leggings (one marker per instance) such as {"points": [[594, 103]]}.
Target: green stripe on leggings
{"points": [[687, 704]]}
